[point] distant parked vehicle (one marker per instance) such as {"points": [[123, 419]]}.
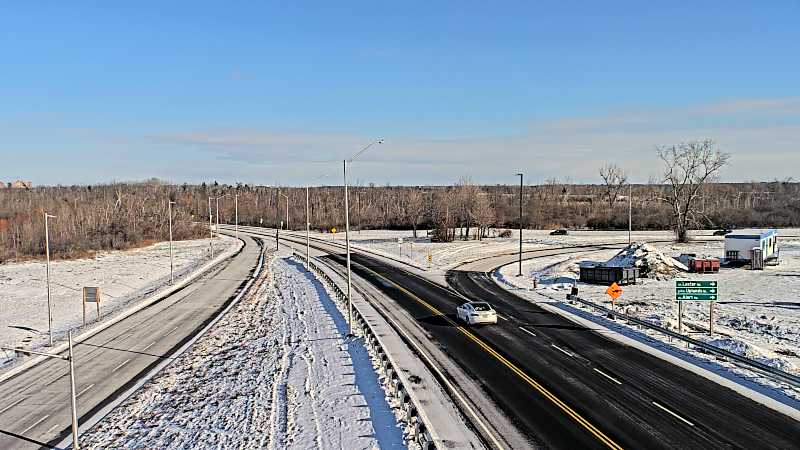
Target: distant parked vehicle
{"points": [[559, 232], [474, 313], [722, 232]]}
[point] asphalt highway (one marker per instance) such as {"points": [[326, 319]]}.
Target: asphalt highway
{"points": [[35, 406]]}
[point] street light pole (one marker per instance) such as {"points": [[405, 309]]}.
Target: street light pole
{"points": [[47, 253], [210, 229], [73, 396], [520, 225], [630, 214], [236, 206], [308, 230], [287, 210], [171, 263], [277, 225], [347, 238]]}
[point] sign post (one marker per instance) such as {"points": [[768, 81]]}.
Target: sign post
{"points": [[400, 245], [91, 294], [615, 292], [696, 291]]}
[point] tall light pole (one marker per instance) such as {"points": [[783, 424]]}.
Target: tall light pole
{"points": [[308, 231], [210, 229], [171, 263], [277, 225], [347, 237], [520, 224], [287, 210], [630, 214], [47, 253], [236, 207], [217, 200]]}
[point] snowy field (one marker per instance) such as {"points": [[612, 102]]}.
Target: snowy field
{"points": [[445, 255], [273, 373], [758, 314], [123, 277]]}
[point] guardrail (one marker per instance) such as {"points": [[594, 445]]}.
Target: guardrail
{"points": [[743, 360], [422, 435]]}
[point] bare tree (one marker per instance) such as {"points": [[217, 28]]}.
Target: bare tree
{"points": [[687, 168], [415, 208], [482, 213], [614, 180]]}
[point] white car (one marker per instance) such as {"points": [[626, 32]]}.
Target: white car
{"points": [[474, 313]]}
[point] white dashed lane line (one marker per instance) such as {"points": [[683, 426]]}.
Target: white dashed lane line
{"points": [[84, 390], [119, 366], [608, 376], [151, 344], [673, 414], [11, 405], [562, 350], [528, 331], [171, 331], [34, 424]]}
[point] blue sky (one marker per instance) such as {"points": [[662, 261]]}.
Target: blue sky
{"points": [[276, 92]]}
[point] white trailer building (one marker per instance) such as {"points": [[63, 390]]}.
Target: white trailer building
{"points": [[739, 245]]}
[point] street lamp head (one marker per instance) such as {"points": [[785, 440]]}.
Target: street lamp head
{"points": [[380, 141]]}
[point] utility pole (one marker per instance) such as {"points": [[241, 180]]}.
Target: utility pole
{"points": [[47, 253], [236, 206], [287, 210], [347, 239], [277, 225], [73, 396], [308, 230], [210, 229], [630, 214], [520, 224], [171, 263]]}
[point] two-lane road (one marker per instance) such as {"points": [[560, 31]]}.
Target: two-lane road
{"points": [[34, 405]]}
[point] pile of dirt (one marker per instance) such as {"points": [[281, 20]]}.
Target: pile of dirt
{"points": [[650, 261]]}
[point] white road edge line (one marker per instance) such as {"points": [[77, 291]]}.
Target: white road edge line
{"points": [[84, 390], [171, 331], [119, 366], [562, 350], [528, 331], [151, 344], [34, 424], [608, 376], [674, 415], [12, 405]]}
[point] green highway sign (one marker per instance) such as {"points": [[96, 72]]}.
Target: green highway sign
{"points": [[705, 291]]}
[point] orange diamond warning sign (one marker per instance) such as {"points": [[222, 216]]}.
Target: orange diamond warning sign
{"points": [[614, 291]]}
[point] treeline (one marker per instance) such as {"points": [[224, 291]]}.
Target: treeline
{"points": [[119, 216]]}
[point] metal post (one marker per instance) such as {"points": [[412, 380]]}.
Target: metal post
{"points": [[680, 317], [236, 206], [73, 396], [218, 216], [520, 224], [347, 245], [308, 228], [210, 229], [711, 318], [630, 214], [49, 304], [277, 225], [171, 263], [287, 213]]}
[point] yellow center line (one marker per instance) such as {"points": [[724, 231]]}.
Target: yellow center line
{"points": [[519, 372]]}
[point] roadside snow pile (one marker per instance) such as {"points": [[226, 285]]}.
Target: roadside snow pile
{"points": [[744, 349], [650, 261]]}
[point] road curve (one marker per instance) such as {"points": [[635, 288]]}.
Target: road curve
{"points": [[34, 405]]}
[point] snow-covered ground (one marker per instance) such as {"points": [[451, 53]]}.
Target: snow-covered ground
{"points": [[275, 372], [123, 277], [445, 255], [758, 314]]}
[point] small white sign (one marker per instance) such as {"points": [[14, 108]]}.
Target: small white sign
{"points": [[399, 240]]}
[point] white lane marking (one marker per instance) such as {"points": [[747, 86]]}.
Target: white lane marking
{"points": [[12, 405], [51, 429], [151, 344], [674, 415], [119, 366], [608, 376], [501, 317], [171, 331], [562, 350], [34, 424], [528, 331], [84, 390]]}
